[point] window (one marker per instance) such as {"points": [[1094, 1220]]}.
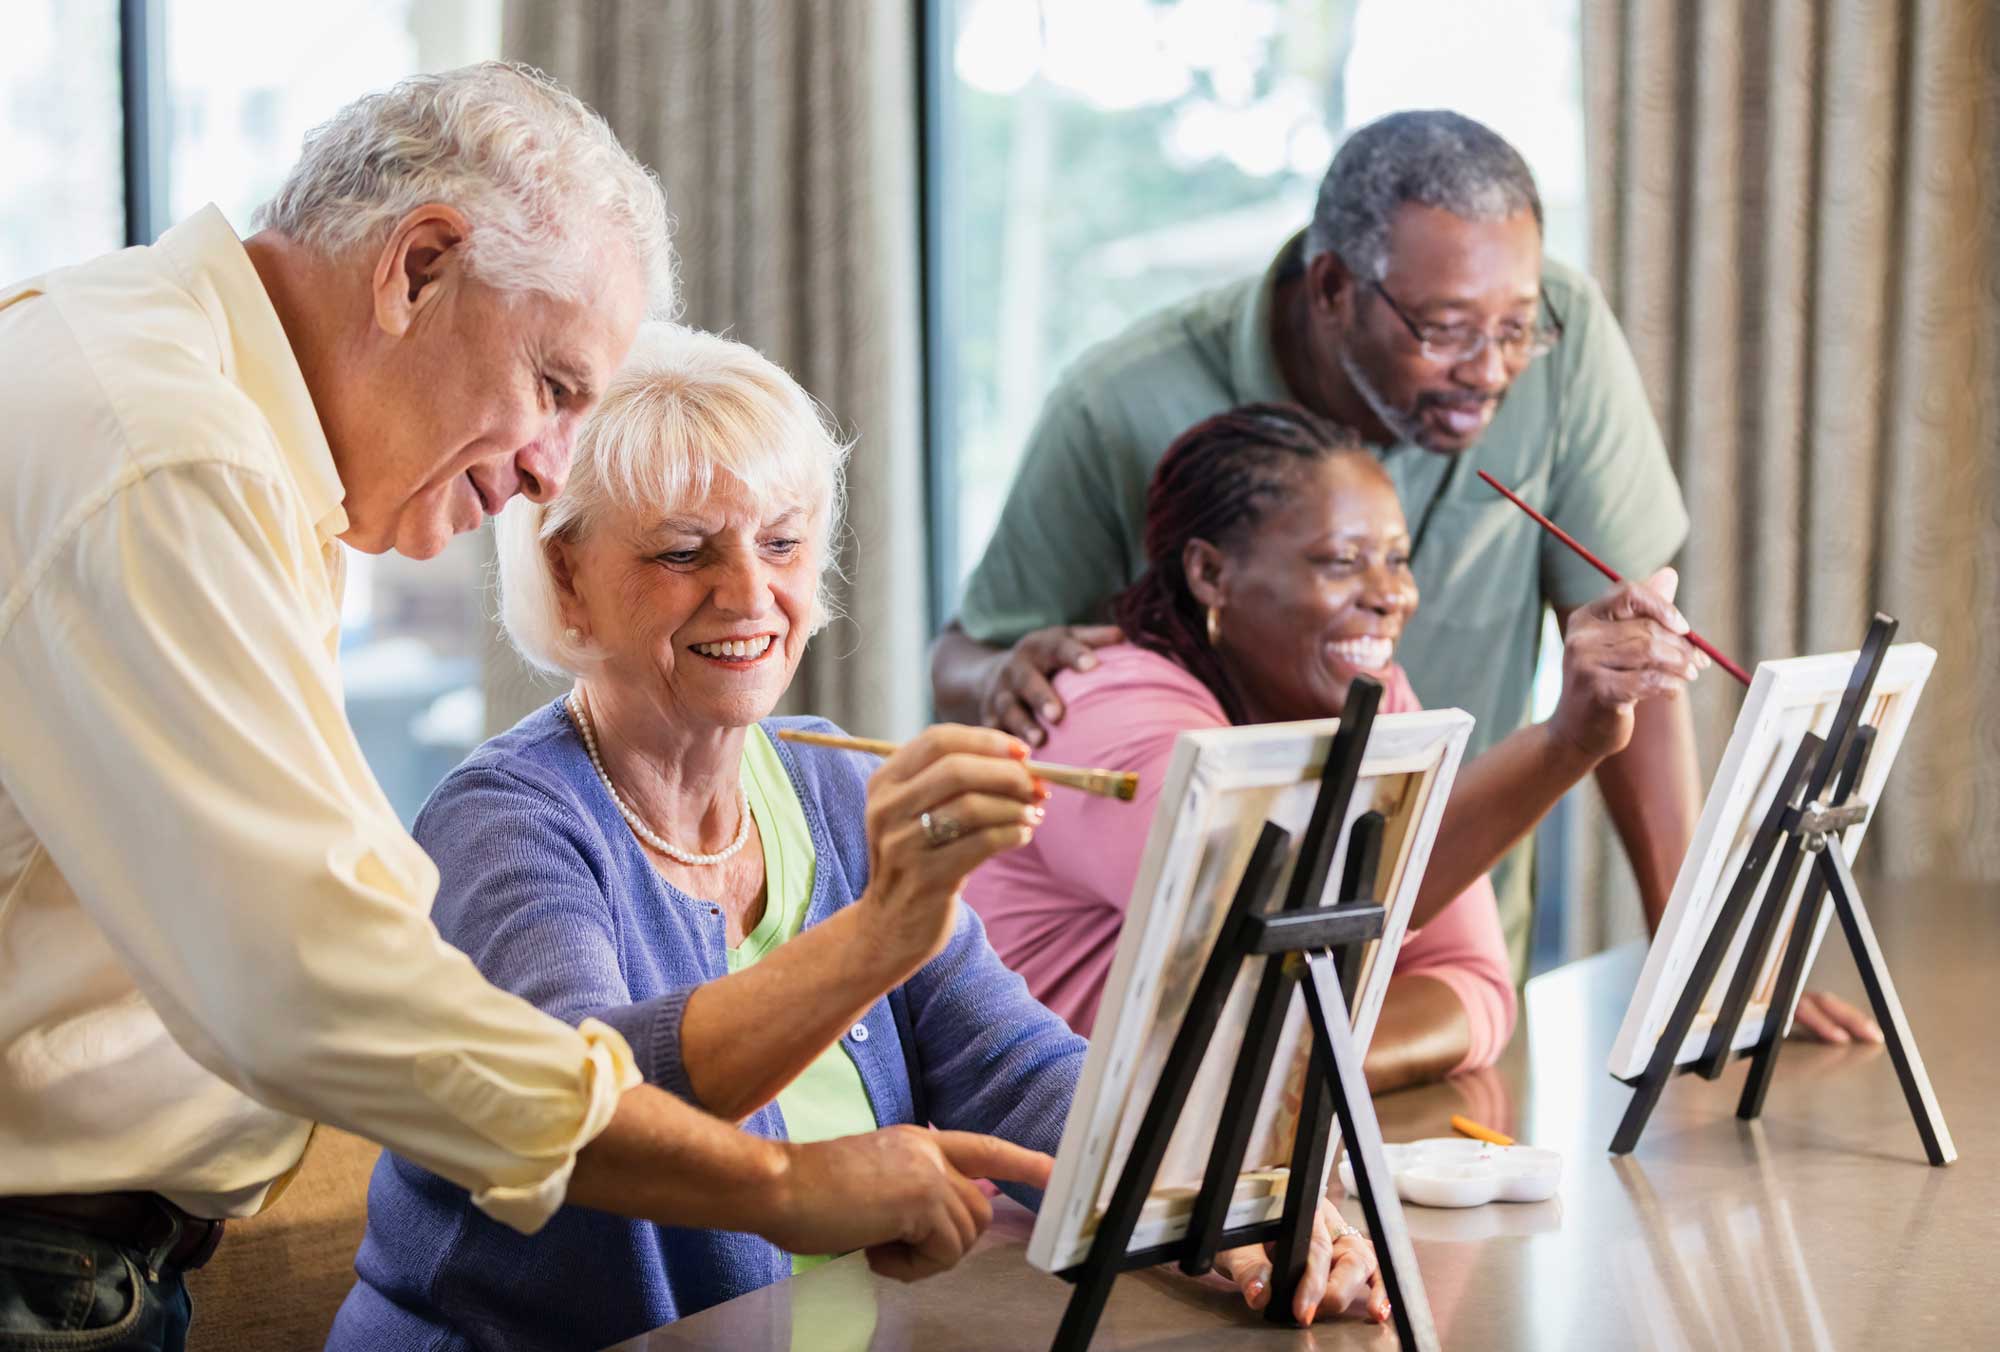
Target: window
{"points": [[60, 122], [245, 81], [1090, 163], [223, 92]]}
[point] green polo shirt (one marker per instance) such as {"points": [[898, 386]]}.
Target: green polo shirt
{"points": [[1574, 436]]}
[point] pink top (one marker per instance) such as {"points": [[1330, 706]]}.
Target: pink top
{"points": [[1054, 907]]}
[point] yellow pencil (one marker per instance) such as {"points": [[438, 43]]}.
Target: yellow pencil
{"points": [[1465, 1126], [1119, 784]]}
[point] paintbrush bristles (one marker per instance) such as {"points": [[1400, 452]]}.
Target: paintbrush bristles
{"points": [[1120, 784]]}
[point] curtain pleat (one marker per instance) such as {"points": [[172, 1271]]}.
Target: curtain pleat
{"points": [[1796, 213], [785, 133]]}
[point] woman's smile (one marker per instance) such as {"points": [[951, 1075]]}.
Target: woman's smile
{"points": [[736, 654], [1368, 653]]}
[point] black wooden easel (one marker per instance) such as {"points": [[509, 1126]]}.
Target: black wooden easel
{"points": [[1801, 828], [1296, 940]]}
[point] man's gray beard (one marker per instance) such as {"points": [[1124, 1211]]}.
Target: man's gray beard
{"points": [[1402, 426]]}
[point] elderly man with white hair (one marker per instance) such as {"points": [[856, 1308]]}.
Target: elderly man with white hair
{"points": [[775, 927], [213, 930]]}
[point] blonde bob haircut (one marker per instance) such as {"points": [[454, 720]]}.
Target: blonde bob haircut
{"points": [[685, 412]]}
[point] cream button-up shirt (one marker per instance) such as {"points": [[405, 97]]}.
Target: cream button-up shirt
{"points": [[213, 929]]}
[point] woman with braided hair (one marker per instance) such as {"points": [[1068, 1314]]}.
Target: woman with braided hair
{"points": [[1277, 572]]}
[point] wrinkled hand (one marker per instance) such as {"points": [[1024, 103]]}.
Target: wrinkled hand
{"points": [[1628, 645], [1824, 1017], [903, 1193], [1342, 1276], [974, 778], [1018, 697]]}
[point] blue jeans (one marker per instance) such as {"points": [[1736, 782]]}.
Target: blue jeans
{"points": [[64, 1291]]}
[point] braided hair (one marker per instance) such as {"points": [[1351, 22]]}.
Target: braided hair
{"points": [[1217, 481]]}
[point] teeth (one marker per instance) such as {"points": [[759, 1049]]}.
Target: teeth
{"points": [[1371, 654], [735, 648]]}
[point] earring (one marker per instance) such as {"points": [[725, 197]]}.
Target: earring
{"points": [[1215, 626], [574, 635]]}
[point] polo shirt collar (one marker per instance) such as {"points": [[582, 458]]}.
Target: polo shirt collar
{"points": [[257, 357], [1253, 361]]}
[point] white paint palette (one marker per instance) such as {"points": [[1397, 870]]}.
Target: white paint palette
{"points": [[1450, 1171]]}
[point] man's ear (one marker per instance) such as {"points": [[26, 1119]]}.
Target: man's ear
{"points": [[1331, 286], [1207, 571], [422, 253]]}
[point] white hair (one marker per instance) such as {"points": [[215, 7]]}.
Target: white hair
{"points": [[686, 408], [541, 179]]}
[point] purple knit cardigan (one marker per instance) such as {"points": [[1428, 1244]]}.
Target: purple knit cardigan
{"points": [[544, 887]]}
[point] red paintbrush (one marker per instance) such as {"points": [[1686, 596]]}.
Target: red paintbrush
{"points": [[1599, 564]]}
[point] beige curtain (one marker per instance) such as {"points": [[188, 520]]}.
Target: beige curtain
{"points": [[1796, 214], [785, 132]]}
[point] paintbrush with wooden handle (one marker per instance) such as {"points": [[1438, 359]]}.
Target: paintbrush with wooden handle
{"points": [[1119, 784]]}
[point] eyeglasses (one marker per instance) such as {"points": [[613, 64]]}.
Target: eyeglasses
{"points": [[1456, 344]]}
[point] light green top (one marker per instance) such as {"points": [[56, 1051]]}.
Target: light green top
{"points": [[1574, 436], [829, 1099]]}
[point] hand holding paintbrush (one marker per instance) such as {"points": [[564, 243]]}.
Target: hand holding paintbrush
{"points": [[1623, 649], [1552, 528], [939, 806]]}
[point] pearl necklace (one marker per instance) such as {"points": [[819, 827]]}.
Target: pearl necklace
{"points": [[579, 714]]}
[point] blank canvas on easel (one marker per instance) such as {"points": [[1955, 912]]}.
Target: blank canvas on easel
{"points": [[1221, 787], [1787, 700]]}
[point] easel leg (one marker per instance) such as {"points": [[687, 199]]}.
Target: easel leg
{"points": [[1248, 1076], [1302, 1191], [1097, 1272], [1086, 1306], [1750, 963], [1792, 971], [1791, 975], [1875, 977], [1652, 1082], [1364, 860], [1373, 1180]]}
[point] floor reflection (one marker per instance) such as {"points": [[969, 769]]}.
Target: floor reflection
{"points": [[1725, 1272], [1473, 1224], [1488, 1100]]}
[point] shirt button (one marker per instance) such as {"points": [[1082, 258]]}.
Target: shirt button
{"points": [[859, 1032]]}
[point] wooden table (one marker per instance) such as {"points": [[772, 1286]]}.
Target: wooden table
{"points": [[1818, 1227]]}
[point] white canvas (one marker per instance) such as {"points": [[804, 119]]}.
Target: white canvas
{"points": [[1222, 785], [1787, 700]]}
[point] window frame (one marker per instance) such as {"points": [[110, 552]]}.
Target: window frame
{"points": [[142, 92], [936, 27]]}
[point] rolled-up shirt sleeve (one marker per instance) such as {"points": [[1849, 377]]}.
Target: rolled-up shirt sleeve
{"points": [[529, 909], [177, 740]]}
